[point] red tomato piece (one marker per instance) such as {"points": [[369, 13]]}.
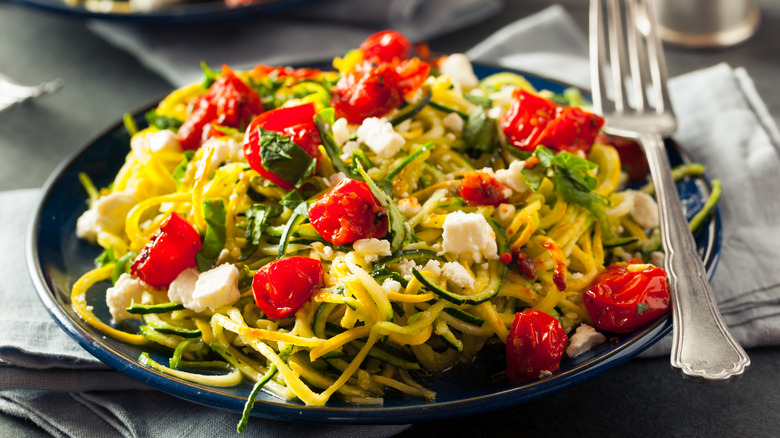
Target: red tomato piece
{"points": [[373, 90], [535, 345], [284, 72], [532, 121], [386, 46], [283, 286], [348, 212], [632, 157], [481, 188], [623, 298], [170, 250], [229, 102], [295, 122]]}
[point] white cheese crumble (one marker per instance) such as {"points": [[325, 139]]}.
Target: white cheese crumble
{"points": [[153, 142], [181, 288], [390, 285], [433, 266], [119, 297], [458, 275], [469, 235], [645, 210], [225, 150], [212, 289], [583, 339], [348, 148], [380, 137], [505, 213], [405, 268], [512, 177], [409, 206], [341, 131], [453, 122], [336, 178], [460, 71], [371, 249], [103, 215]]}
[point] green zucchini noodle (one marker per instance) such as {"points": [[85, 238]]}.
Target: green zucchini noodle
{"points": [[385, 317]]}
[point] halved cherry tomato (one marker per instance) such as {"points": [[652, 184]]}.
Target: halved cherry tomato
{"points": [[535, 345], [533, 120], [296, 122], [348, 212], [372, 90], [229, 102], [281, 287], [170, 250], [481, 188], [626, 296], [283, 72], [632, 158], [386, 46]]}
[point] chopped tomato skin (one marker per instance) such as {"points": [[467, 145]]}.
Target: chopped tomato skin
{"points": [[229, 102], [386, 46], [295, 122], [623, 298], [347, 213], [481, 188], [533, 121], [535, 346], [283, 286], [170, 251]]}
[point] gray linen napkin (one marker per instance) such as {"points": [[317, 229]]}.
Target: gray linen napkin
{"points": [[722, 122], [311, 33]]}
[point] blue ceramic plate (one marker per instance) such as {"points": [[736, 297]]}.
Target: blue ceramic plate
{"points": [[203, 11], [57, 258]]}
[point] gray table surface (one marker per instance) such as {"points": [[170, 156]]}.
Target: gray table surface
{"points": [[640, 398]]}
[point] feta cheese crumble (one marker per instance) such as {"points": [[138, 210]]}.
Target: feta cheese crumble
{"points": [[453, 122], [460, 71], [371, 249], [380, 136], [645, 210], [469, 235], [212, 289], [103, 215], [119, 297], [458, 275], [583, 339], [512, 177], [341, 131]]}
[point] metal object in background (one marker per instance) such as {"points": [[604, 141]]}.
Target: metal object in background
{"points": [[706, 23]]}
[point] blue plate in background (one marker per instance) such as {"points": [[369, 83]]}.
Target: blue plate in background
{"points": [[57, 259]]}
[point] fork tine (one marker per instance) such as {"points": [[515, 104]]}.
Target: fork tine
{"points": [[598, 48], [636, 56], [657, 67], [617, 54]]}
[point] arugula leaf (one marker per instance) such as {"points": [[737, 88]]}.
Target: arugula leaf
{"points": [[283, 157], [106, 257], [122, 266], [214, 240], [162, 122], [479, 131], [396, 220], [324, 121]]}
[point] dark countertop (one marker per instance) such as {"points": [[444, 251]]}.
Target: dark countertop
{"points": [[643, 397]]}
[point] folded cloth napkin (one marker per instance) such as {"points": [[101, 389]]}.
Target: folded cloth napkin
{"points": [[47, 378], [311, 33]]}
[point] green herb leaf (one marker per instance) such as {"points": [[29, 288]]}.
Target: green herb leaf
{"points": [[396, 220], [214, 239], [479, 131], [642, 308], [324, 121], [209, 75], [162, 122], [106, 257], [122, 266], [483, 101], [283, 157], [180, 170]]}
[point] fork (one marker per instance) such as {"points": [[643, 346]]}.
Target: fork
{"points": [[12, 93], [703, 350]]}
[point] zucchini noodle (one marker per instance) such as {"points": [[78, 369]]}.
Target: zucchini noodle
{"points": [[385, 316]]}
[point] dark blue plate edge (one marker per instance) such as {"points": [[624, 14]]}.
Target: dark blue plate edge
{"points": [[212, 397]]}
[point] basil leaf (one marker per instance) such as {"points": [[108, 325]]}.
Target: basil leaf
{"points": [[106, 257], [256, 216], [180, 170], [483, 101], [214, 239], [642, 308], [209, 76], [479, 131], [324, 121], [576, 169], [162, 122], [122, 266], [283, 157], [267, 90], [396, 220]]}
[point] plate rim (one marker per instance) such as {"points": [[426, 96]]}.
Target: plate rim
{"points": [[280, 409]]}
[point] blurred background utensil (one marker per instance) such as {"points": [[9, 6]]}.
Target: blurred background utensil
{"points": [[631, 59], [12, 93]]}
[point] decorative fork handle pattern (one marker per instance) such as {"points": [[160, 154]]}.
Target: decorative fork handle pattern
{"points": [[703, 350]]}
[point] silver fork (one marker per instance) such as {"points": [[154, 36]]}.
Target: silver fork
{"points": [[703, 350], [12, 93]]}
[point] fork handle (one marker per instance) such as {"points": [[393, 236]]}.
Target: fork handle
{"points": [[703, 350]]}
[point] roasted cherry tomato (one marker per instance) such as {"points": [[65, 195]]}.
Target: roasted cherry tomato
{"points": [[481, 188], [296, 122], [348, 212], [372, 90], [284, 72], [626, 296], [386, 46], [535, 345], [229, 102], [170, 250], [281, 287], [532, 121], [632, 158]]}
